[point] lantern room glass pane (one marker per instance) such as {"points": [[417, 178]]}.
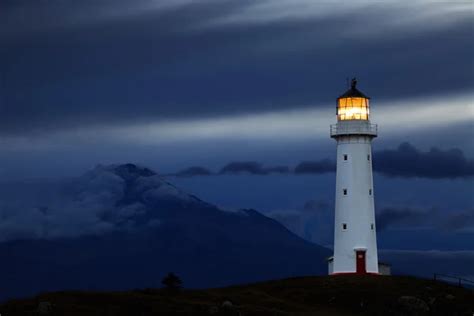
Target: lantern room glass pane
{"points": [[353, 109]]}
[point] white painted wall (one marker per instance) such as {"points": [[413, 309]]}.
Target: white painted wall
{"points": [[356, 209]]}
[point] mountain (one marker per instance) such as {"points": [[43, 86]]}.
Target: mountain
{"points": [[123, 226]]}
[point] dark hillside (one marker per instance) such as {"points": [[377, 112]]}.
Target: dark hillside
{"points": [[341, 295]]}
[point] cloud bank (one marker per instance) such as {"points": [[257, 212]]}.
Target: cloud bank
{"points": [[251, 167], [405, 161], [460, 221], [105, 199], [315, 222], [316, 167], [194, 171], [403, 217]]}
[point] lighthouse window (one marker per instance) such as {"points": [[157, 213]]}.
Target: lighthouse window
{"points": [[353, 108], [344, 191], [344, 226], [345, 157], [370, 191], [368, 157], [372, 226]]}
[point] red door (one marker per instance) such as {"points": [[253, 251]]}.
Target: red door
{"points": [[360, 262]]}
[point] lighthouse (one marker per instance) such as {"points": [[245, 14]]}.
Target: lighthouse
{"points": [[355, 244]]}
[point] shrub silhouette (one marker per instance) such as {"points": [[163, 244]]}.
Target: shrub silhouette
{"points": [[172, 282]]}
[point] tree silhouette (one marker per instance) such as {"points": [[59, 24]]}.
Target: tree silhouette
{"points": [[172, 282]]}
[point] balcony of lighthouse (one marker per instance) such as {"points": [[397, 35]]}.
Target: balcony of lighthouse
{"points": [[353, 127]]}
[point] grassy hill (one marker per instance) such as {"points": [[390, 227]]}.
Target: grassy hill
{"points": [[337, 295]]}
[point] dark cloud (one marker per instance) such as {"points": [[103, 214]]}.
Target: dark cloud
{"points": [[99, 66], [463, 221], [277, 169], [315, 221], [392, 216], [251, 167], [446, 220], [194, 171], [106, 199], [74, 208], [318, 167], [243, 167], [405, 161], [408, 161]]}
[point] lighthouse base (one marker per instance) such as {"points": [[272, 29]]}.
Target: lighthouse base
{"points": [[384, 269], [355, 273]]}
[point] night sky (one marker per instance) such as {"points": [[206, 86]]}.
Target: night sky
{"points": [[246, 91]]}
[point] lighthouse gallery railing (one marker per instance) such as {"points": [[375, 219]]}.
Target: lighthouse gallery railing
{"points": [[353, 129]]}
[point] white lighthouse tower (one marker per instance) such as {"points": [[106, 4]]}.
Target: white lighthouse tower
{"points": [[355, 244]]}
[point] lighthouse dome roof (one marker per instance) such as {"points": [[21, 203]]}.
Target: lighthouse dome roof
{"points": [[353, 92]]}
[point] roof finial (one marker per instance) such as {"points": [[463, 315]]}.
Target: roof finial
{"points": [[353, 83]]}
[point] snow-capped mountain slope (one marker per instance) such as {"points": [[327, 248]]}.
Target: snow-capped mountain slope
{"points": [[123, 226]]}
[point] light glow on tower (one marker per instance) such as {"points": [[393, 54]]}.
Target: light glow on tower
{"points": [[351, 108]]}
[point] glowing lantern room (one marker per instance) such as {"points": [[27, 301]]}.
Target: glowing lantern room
{"points": [[353, 104]]}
